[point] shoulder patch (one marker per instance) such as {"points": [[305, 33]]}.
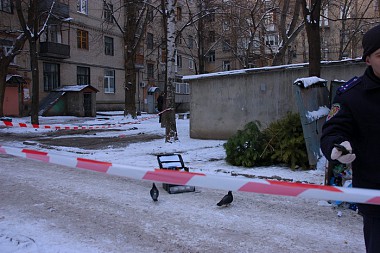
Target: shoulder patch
{"points": [[335, 108], [348, 85]]}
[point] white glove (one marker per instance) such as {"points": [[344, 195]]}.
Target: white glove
{"points": [[337, 154]]}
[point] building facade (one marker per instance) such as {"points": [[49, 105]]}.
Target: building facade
{"points": [[83, 43]]}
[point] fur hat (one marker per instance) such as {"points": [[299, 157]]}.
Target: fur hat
{"points": [[371, 41]]}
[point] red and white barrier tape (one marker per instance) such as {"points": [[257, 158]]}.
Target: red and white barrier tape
{"points": [[54, 127], [63, 127], [356, 195]]}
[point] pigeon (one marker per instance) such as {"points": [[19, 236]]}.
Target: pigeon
{"points": [[154, 192], [226, 200]]}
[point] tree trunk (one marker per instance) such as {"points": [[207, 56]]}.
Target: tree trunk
{"points": [[3, 74], [311, 17], [130, 56], [35, 81], [170, 121], [200, 34]]}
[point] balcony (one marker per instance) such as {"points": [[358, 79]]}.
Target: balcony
{"points": [[60, 9], [54, 50]]}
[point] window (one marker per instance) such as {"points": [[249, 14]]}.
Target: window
{"points": [[149, 40], [179, 61], [191, 64], [190, 41], [7, 46], [226, 45], [345, 11], [150, 70], [211, 36], [211, 56], [256, 42], [109, 81], [226, 25], [83, 75], [6, 6], [182, 88], [52, 34], [211, 16], [149, 14], [107, 12], [271, 40], [51, 76], [163, 54], [7, 49], [108, 45], [82, 39], [325, 54], [269, 18], [324, 18], [376, 6], [179, 13], [82, 6], [179, 39], [226, 65]]}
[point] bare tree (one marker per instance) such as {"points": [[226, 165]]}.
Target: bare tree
{"points": [[33, 25], [248, 28], [350, 17], [289, 27]]}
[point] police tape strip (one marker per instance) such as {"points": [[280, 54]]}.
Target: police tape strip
{"points": [[55, 127], [356, 195], [89, 127]]}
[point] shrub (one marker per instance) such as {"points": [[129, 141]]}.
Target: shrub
{"points": [[246, 146], [285, 137], [281, 143]]}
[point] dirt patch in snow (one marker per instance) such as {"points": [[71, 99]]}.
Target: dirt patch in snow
{"points": [[86, 139]]}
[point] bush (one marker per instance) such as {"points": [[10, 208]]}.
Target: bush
{"points": [[281, 143], [287, 143], [246, 146]]}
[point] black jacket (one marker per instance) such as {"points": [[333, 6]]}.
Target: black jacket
{"points": [[355, 117], [160, 103]]}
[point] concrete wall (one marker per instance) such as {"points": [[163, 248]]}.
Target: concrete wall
{"points": [[222, 103]]}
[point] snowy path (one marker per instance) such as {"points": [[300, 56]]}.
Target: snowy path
{"points": [[47, 208]]}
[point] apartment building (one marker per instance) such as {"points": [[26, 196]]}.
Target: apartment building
{"points": [[343, 25], [245, 34], [83, 43]]}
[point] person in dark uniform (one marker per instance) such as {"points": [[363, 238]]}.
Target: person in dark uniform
{"points": [[354, 123], [160, 105]]}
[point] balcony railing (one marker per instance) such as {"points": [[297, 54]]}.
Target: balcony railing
{"points": [[54, 50]]}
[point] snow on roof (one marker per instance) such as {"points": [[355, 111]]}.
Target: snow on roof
{"points": [[239, 71], [74, 87], [153, 89], [252, 70], [17, 78], [308, 81]]}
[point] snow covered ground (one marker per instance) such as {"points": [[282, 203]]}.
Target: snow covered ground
{"points": [[51, 208]]}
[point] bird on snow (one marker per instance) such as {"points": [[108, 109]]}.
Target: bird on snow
{"points": [[226, 200], [154, 192]]}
